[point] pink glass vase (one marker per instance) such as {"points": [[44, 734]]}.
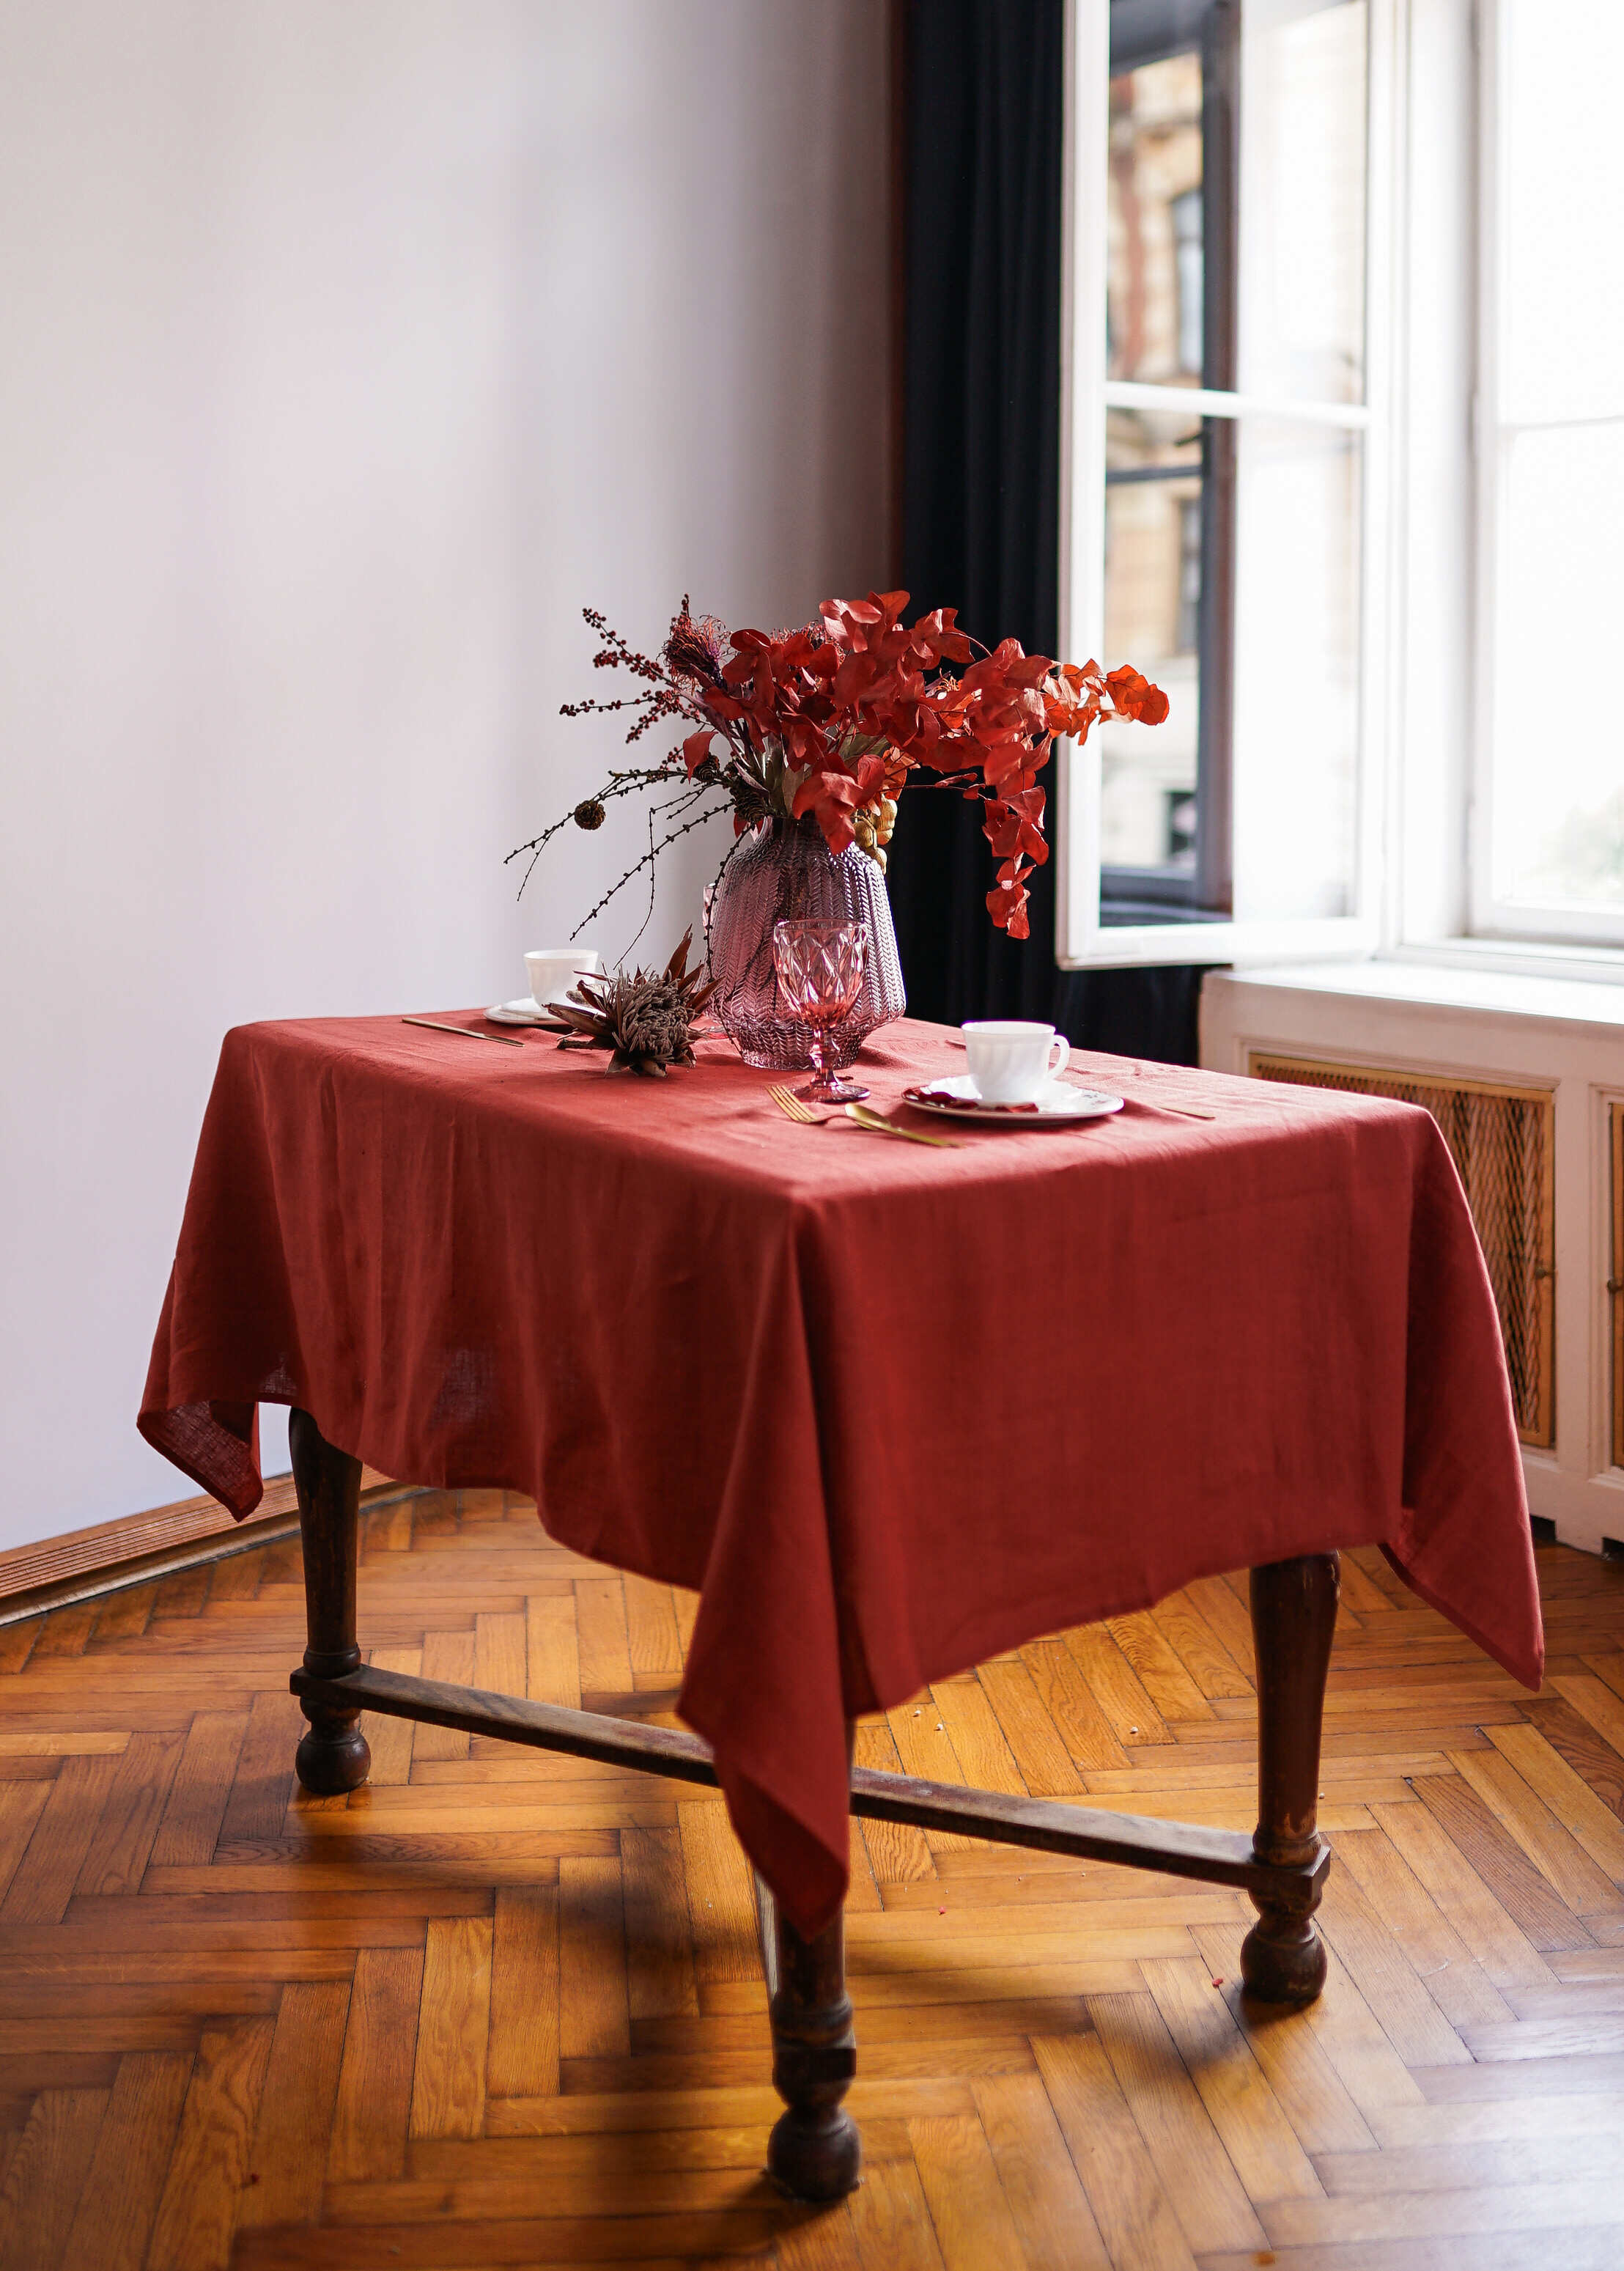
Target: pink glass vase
{"points": [[785, 871]]}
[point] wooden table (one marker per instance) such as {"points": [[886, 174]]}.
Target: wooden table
{"points": [[814, 2152], [888, 1411]]}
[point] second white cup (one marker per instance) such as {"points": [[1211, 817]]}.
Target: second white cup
{"points": [[1011, 1061], [553, 970]]}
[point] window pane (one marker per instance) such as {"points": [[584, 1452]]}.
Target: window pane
{"points": [[1152, 597], [1297, 667], [1559, 773], [1561, 205], [1155, 273], [1302, 199]]}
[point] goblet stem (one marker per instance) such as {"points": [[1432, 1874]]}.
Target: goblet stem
{"points": [[826, 1086]]}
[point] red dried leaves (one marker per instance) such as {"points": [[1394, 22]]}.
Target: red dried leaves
{"points": [[859, 701]]}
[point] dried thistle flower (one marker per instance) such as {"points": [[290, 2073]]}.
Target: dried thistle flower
{"points": [[646, 1017], [695, 651]]}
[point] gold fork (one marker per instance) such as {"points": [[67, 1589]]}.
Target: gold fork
{"points": [[790, 1104], [792, 1108]]}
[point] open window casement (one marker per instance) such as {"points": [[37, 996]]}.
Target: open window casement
{"points": [[1224, 453]]}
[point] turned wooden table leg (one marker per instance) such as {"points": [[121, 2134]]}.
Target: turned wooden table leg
{"points": [[333, 1756], [1294, 1618], [814, 2152]]}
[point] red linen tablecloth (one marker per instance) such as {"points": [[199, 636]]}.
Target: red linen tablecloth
{"points": [[890, 1411]]}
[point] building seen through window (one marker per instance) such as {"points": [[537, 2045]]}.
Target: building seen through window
{"points": [[1153, 464], [1234, 273]]}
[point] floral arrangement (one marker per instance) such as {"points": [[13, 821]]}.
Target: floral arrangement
{"points": [[835, 720]]}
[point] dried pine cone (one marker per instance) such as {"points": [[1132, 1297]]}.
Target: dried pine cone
{"points": [[589, 814], [645, 1017]]}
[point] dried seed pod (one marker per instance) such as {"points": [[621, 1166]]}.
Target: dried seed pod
{"points": [[589, 814]]}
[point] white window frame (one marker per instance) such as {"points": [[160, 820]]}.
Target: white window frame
{"points": [[1082, 941], [1498, 923]]}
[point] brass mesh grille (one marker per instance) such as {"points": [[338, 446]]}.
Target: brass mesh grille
{"points": [[1501, 1141], [1615, 1282]]}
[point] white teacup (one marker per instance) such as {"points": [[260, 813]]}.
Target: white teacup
{"points": [[1011, 1061], [553, 970]]}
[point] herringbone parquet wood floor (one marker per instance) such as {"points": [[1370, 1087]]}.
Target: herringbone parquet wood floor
{"points": [[503, 2008]]}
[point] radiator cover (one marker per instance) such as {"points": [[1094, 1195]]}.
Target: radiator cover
{"points": [[1501, 1140]]}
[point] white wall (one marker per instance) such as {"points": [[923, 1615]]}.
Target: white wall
{"points": [[345, 352]]}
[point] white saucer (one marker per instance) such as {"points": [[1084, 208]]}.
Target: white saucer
{"points": [[524, 1011], [1059, 1105]]}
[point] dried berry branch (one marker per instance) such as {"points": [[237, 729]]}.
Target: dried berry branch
{"points": [[589, 814], [657, 812], [710, 812]]}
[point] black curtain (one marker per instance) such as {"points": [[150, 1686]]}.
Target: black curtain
{"points": [[981, 491]]}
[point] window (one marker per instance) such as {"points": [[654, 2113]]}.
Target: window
{"points": [[1165, 476], [1219, 411], [1549, 834], [1345, 473]]}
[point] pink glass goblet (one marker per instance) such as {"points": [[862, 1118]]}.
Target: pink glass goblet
{"points": [[819, 966]]}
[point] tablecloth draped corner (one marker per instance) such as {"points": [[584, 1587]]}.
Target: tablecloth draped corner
{"points": [[779, 1741], [1520, 1652], [1465, 1494], [213, 1440]]}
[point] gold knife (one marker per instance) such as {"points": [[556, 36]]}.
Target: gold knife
{"points": [[467, 1032]]}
